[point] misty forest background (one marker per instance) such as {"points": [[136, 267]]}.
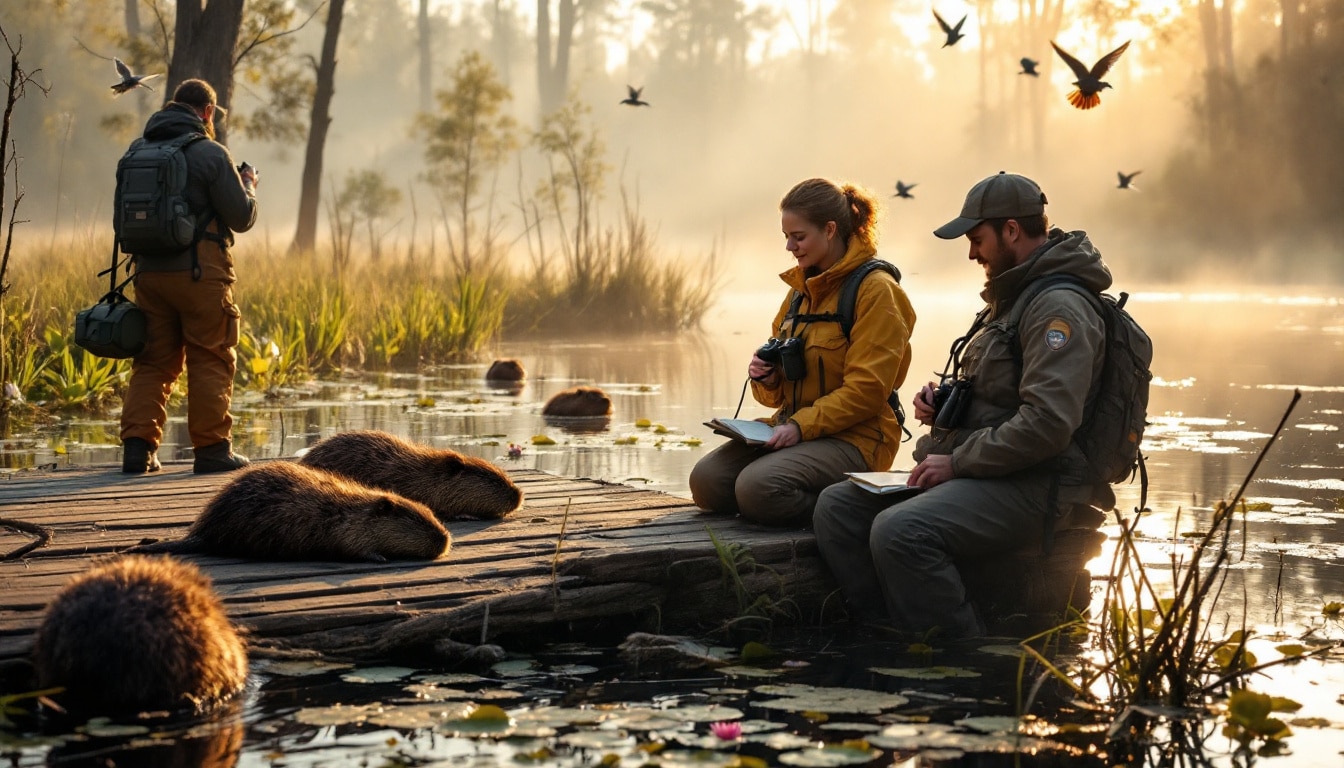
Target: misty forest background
{"points": [[481, 134]]}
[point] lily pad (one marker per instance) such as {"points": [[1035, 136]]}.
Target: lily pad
{"points": [[830, 755], [378, 675], [301, 667], [807, 698], [924, 673], [337, 714]]}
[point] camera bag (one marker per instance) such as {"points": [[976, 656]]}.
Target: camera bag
{"points": [[114, 327]]}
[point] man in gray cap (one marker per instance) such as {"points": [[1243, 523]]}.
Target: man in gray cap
{"points": [[999, 461]]}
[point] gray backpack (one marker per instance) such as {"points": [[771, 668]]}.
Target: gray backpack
{"points": [[152, 217]]}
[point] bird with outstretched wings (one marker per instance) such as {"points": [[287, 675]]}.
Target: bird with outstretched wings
{"points": [[903, 190], [953, 33], [1127, 179], [1089, 84], [129, 79], [1029, 67], [633, 99]]}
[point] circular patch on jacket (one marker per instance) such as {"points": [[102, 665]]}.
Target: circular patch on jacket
{"points": [[1057, 334]]}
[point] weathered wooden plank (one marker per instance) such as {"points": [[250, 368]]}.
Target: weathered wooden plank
{"points": [[622, 552]]}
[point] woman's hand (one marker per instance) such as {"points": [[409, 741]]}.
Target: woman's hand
{"points": [[923, 403], [786, 434], [762, 372]]}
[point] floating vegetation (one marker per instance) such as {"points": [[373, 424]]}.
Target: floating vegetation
{"points": [[805, 698], [925, 673]]}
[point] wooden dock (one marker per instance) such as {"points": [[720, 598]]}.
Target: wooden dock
{"points": [[579, 555]]}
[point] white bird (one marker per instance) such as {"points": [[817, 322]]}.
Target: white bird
{"points": [[129, 79]]}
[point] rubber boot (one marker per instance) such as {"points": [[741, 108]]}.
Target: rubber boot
{"points": [[138, 457], [217, 458]]}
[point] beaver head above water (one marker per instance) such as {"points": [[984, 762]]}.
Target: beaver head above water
{"points": [[139, 634], [449, 483], [578, 401], [506, 369]]}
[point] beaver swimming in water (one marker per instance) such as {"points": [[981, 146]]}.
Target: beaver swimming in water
{"points": [[281, 510], [578, 401], [139, 634], [506, 369], [449, 483]]}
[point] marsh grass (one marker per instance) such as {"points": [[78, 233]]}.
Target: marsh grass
{"points": [[1164, 661], [306, 315]]}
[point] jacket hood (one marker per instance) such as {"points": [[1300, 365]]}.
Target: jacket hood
{"points": [[823, 283], [1070, 253], [173, 121]]}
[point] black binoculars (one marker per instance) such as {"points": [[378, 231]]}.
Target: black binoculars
{"points": [[950, 401], [786, 355]]}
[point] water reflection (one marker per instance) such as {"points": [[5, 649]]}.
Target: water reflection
{"points": [[1227, 366]]}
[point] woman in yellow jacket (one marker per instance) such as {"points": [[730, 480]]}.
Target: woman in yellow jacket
{"points": [[833, 416]]}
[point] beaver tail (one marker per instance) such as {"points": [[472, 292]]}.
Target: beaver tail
{"points": [[186, 546]]}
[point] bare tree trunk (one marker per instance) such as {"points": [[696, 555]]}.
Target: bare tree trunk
{"points": [[544, 55], [204, 39], [564, 44], [426, 58], [310, 191]]}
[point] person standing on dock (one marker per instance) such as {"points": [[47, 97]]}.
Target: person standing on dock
{"points": [[1001, 453], [187, 294], [830, 377]]}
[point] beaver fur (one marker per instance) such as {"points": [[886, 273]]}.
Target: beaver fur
{"points": [[506, 369], [578, 401], [139, 634], [281, 510], [449, 483]]}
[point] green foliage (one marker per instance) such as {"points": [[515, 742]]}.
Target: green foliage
{"points": [[75, 379], [1248, 717], [365, 197], [466, 141]]}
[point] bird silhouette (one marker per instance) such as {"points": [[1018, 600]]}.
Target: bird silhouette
{"points": [[1126, 179], [1029, 67], [1087, 94], [953, 33], [129, 79], [633, 98], [903, 190]]}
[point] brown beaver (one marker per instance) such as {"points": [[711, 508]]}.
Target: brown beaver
{"points": [[139, 634], [281, 510], [449, 483], [578, 401], [506, 369]]}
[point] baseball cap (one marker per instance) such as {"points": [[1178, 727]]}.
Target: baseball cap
{"points": [[1001, 196]]}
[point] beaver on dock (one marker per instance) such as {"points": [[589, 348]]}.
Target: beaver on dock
{"points": [[506, 369], [578, 401], [139, 634], [281, 510], [449, 483]]}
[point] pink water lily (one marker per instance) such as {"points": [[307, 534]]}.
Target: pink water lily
{"points": [[726, 731]]}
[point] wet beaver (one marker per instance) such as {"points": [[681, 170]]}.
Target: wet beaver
{"points": [[507, 369], [449, 483], [578, 401], [139, 634], [281, 510]]}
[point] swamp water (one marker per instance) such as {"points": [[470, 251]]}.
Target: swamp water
{"points": [[1227, 365]]}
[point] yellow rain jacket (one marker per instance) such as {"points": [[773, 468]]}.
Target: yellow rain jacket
{"points": [[844, 393]]}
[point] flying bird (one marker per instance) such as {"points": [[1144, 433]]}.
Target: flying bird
{"points": [[1029, 67], [1126, 179], [903, 190], [129, 79], [1087, 94], [633, 98], [953, 33]]}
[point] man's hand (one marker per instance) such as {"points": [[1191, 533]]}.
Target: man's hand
{"points": [[250, 177], [762, 372], [935, 469], [923, 403], [785, 435]]}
